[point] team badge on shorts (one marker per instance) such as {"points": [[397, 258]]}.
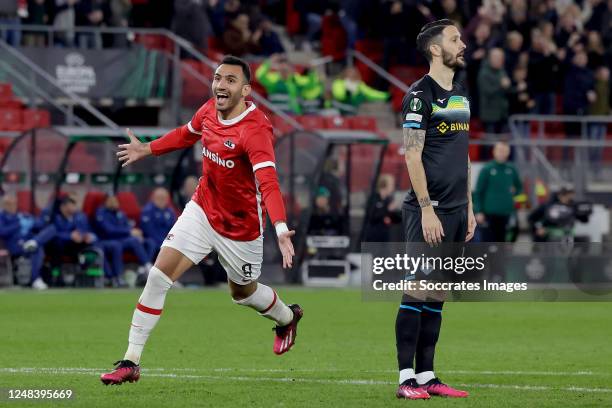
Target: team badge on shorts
{"points": [[247, 269], [169, 237]]}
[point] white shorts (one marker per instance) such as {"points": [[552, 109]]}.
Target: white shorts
{"points": [[193, 236]]}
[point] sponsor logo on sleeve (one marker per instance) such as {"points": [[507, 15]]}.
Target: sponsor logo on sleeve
{"points": [[415, 117]]}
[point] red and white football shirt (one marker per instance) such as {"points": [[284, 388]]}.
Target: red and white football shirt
{"points": [[233, 152]]}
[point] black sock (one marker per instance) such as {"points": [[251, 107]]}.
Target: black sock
{"points": [[431, 320], [407, 333]]}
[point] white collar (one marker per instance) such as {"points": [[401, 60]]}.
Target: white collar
{"points": [[238, 118]]}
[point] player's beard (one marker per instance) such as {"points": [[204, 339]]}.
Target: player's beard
{"points": [[452, 61]]}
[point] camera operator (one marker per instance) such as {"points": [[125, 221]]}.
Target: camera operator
{"points": [[554, 221]]}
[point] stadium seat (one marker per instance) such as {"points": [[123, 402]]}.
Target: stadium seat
{"points": [[6, 92], [292, 17], [91, 202], [280, 126], [311, 121], [24, 202], [336, 122], [155, 42], [129, 205], [11, 119], [333, 38], [362, 123], [36, 118], [373, 50]]}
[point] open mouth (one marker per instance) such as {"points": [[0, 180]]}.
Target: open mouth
{"points": [[222, 97]]}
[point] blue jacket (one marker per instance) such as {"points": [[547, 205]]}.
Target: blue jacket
{"points": [[155, 222], [112, 224], [10, 230], [65, 226]]}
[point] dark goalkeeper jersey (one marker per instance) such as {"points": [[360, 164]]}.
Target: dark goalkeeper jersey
{"points": [[445, 117]]}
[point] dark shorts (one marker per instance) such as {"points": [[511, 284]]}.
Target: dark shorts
{"points": [[454, 225], [455, 229]]}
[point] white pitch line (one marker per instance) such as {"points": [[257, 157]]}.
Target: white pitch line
{"points": [[81, 371], [318, 370]]}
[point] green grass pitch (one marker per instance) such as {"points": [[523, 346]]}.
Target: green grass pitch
{"points": [[208, 352]]}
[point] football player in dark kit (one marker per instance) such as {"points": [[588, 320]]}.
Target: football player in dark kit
{"points": [[438, 208]]}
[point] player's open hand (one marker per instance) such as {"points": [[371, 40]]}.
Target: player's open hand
{"points": [[135, 150], [286, 248], [432, 227], [471, 227]]}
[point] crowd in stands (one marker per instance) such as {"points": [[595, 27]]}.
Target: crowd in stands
{"points": [[62, 232], [521, 54]]}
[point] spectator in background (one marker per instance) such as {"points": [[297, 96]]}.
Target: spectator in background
{"points": [[448, 9], [542, 73], [497, 188], [324, 221], [91, 13], [113, 226], [520, 100], [38, 14], [600, 106], [11, 13], [190, 21], [494, 87], [16, 232], [513, 50], [190, 184], [157, 218], [595, 50], [120, 15], [65, 19], [384, 210], [349, 91], [287, 89], [517, 18], [238, 39], [400, 28], [269, 43], [74, 235], [578, 94], [475, 53]]}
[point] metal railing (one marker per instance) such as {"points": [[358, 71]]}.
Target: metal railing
{"points": [[533, 158], [180, 47]]}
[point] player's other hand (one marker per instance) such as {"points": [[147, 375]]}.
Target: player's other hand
{"points": [[133, 151], [286, 248], [471, 227], [432, 227]]}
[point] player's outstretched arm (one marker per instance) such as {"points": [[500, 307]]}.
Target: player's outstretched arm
{"points": [[133, 151], [414, 141]]}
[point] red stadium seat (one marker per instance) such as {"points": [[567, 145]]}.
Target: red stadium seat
{"points": [[333, 37], [6, 92], [36, 118], [155, 42], [292, 17], [280, 125], [362, 123], [311, 121], [24, 202], [373, 50], [92, 201], [11, 119], [129, 205], [336, 122]]}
